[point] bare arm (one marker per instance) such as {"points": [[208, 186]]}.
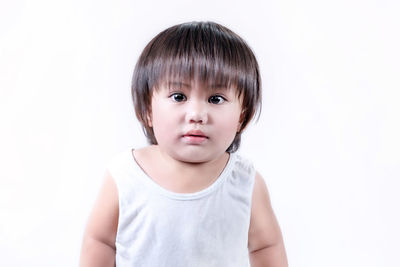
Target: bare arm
{"points": [[98, 248], [266, 246]]}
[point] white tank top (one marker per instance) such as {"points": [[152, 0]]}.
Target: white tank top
{"points": [[158, 228]]}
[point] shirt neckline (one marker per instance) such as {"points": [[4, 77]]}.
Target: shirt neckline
{"points": [[182, 196]]}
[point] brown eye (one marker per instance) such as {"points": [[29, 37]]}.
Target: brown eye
{"points": [[216, 99]]}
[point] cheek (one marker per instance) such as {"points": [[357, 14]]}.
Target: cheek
{"points": [[157, 119], [156, 115], [229, 122], [163, 121]]}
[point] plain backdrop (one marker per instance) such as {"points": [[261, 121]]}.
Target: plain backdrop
{"points": [[327, 141]]}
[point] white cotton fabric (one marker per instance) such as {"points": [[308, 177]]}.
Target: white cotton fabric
{"points": [[160, 228]]}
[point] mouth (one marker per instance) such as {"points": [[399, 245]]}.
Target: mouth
{"points": [[195, 133], [195, 137]]}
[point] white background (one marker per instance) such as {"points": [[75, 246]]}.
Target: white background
{"points": [[327, 142]]}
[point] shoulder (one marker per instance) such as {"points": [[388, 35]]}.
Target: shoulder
{"points": [[241, 174], [243, 165], [120, 164], [119, 158]]}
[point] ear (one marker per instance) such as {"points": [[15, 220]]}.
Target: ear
{"points": [[149, 113], [149, 120], [241, 119], [238, 127]]}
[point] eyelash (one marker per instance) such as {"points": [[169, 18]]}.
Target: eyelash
{"points": [[221, 98], [177, 94]]}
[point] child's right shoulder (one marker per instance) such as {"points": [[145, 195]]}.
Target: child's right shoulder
{"points": [[124, 169], [120, 160], [127, 158]]}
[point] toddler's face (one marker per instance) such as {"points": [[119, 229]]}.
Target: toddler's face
{"points": [[194, 123]]}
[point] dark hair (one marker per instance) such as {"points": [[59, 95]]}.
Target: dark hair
{"points": [[201, 51]]}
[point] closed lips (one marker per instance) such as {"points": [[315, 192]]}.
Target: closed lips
{"points": [[196, 133]]}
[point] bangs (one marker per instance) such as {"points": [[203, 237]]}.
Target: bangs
{"points": [[207, 54]]}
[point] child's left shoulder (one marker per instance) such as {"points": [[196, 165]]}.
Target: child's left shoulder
{"points": [[244, 164]]}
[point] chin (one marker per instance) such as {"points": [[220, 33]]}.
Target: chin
{"points": [[197, 156], [192, 158]]}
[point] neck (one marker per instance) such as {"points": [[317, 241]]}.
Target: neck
{"points": [[180, 176], [187, 167]]}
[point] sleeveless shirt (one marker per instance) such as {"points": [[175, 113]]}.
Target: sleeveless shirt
{"points": [[157, 227]]}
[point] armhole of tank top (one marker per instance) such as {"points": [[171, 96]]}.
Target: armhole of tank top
{"points": [[118, 186], [252, 183], [110, 169]]}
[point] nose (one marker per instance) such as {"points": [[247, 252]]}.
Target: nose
{"points": [[197, 112]]}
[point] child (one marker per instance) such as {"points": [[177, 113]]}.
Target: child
{"points": [[188, 199]]}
